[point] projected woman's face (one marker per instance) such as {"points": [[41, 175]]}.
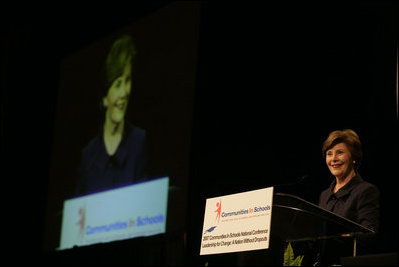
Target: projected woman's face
{"points": [[116, 100]]}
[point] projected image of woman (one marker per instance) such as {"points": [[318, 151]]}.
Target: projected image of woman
{"points": [[117, 155]]}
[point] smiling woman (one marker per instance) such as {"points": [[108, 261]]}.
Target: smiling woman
{"points": [[117, 155], [349, 195], [340, 163]]}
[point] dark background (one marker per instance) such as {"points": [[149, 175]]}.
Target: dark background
{"points": [[273, 80]]}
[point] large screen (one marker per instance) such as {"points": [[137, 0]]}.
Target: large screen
{"points": [[124, 115]]}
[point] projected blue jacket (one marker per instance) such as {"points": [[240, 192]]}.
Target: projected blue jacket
{"points": [[358, 201], [100, 171]]}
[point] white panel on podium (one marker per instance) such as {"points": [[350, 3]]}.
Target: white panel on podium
{"points": [[237, 222]]}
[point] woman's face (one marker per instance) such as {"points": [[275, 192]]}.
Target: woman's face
{"points": [[116, 100], [339, 160]]}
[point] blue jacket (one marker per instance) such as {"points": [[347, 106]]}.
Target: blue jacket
{"points": [[358, 201], [99, 171]]}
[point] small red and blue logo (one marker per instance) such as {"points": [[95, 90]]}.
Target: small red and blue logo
{"points": [[218, 212], [82, 222]]}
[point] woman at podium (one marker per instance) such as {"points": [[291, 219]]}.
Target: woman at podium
{"points": [[349, 195]]}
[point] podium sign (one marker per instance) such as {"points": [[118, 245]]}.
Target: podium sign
{"points": [[122, 213], [237, 222]]}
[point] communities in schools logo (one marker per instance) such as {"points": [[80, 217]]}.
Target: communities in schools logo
{"points": [[85, 229], [221, 214]]}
